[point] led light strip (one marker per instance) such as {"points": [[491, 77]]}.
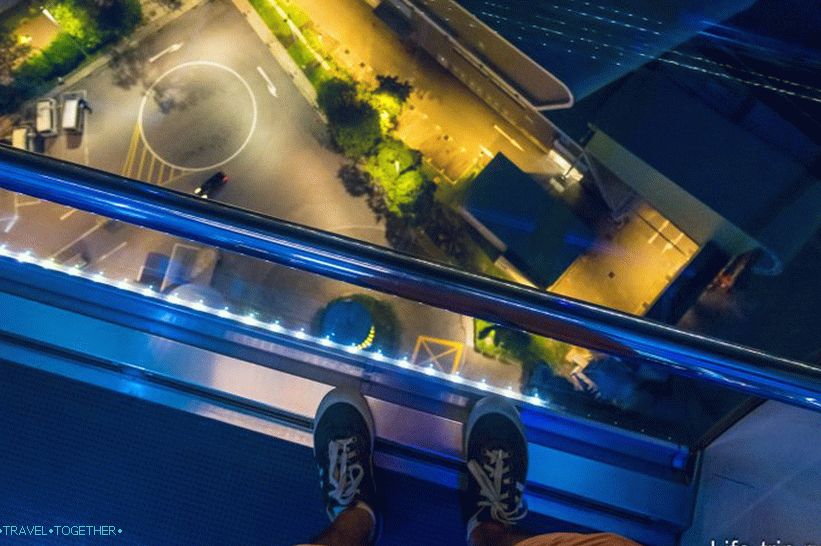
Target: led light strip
{"points": [[251, 320]]}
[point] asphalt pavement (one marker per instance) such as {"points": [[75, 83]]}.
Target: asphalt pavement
{"points": [[200, 95]]}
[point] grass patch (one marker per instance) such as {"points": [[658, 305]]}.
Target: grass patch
{"points": [[301, 54], [297, 16], [317, 75], [272, 19]]}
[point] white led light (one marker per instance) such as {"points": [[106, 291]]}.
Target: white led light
{"points": [[301, 333], [224, 313]]}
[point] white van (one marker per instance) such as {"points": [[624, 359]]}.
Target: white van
{"points": [[72, 114], [46, 119]]}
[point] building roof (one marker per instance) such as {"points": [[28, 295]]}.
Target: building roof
{"points": [[541, 234], [716, 142]]}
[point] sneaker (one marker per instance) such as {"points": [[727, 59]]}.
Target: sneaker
{"points": [[343, 450], [496, 453]]}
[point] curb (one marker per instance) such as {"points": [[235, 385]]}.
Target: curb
{"points": [[278, 51], [140, 34]]}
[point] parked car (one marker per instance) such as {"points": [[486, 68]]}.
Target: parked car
{"points": [[45, 121], [73, 113], [211, 186], [22, 137]]}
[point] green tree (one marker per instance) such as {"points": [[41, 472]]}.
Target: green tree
{"points": [[11, 52], [393, 158], [359, 133], [356, 181], [393, 86], [337, 98], [76, 19], [354, 124]]}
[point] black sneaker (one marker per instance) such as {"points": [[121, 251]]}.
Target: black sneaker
{"points": [[496, 454], [343, 449]]}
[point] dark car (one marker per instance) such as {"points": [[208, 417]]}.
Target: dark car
{"points": [[212, 185]]}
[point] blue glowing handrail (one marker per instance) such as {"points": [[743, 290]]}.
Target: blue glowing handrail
{"points": [[747, 370]]}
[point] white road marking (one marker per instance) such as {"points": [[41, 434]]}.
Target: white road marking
{"points": [[78, 239], [170, 49], [508, 137], [67, 214], [272, 89], [112, 251], [150, 91]]}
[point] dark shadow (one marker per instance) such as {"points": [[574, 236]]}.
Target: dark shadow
{"points": [[74, 140], [128, 67]]}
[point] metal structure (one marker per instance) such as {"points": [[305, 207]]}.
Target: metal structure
{"points": [[733, 366]]}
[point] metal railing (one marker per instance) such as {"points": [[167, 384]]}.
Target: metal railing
{"points": [[740, 368]]}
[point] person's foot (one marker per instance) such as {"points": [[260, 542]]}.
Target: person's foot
{"points": [[343, 449], [496, 454]]}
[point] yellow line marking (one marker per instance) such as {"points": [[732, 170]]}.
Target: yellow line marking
{"points": [[132, 149], [436, 349], [138, 176], [150, 168]]}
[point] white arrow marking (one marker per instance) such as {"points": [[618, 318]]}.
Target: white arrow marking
{"points": [[271, 87], [170, 49]]}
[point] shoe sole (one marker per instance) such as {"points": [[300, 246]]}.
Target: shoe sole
{"points": [[347, 397], [486, 406]]}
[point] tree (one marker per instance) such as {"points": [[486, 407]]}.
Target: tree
{"points": [[354, 124], [337, 98], [446, 229], [392, 86], [358, 133], [356, 181], [11, 52], [393, 158]]}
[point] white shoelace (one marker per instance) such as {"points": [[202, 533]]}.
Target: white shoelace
{"points": [[344, 477], [492, 476]]}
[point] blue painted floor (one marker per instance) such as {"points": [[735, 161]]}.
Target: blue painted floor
{"points": [[73, 454]]}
